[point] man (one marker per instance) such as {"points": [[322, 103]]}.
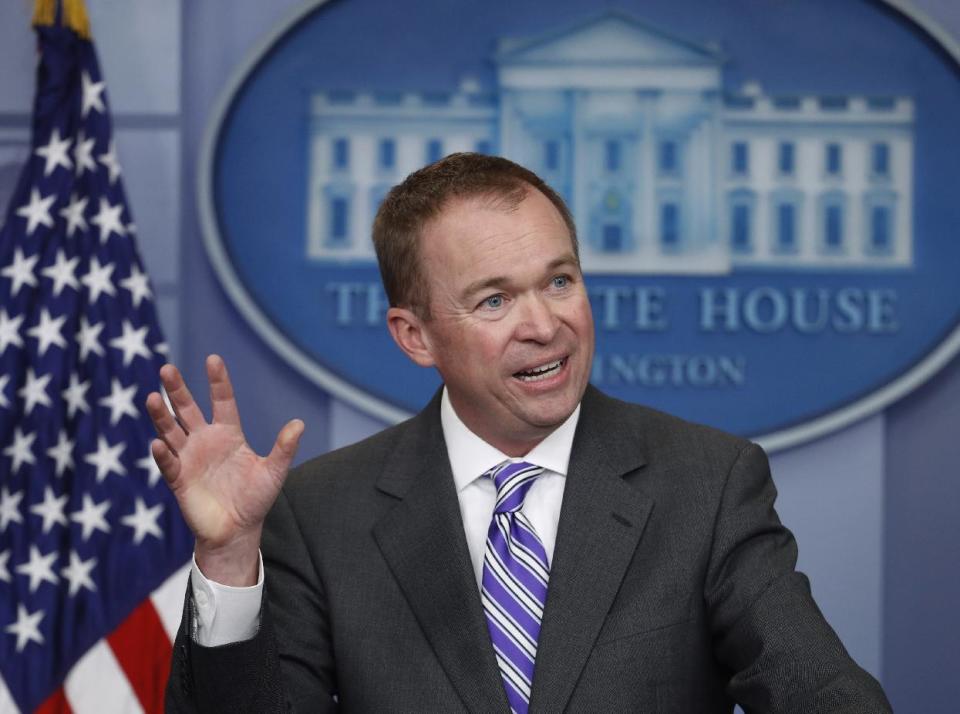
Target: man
{"points": [[525, 542]]}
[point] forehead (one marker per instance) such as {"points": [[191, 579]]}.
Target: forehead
{"points": [[489, 233]]}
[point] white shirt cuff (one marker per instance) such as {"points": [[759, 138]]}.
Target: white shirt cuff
{"points": [[224, 614]]}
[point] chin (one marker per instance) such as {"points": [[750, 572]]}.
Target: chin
{"points": [[552, 417]]}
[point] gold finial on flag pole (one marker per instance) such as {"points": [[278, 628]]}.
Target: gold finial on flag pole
{"points": [[74, 15]]}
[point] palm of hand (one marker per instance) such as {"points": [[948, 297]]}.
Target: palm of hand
{"points": [[223, 487], [230, 488]]}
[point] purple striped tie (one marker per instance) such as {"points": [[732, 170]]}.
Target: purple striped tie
{"points": [[515, 573]]}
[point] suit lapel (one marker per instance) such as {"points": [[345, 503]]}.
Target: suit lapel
{"points": [[601, 522], [423, 542]]}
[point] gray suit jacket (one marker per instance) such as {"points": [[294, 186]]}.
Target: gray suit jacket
{"points": [[672, 589]]}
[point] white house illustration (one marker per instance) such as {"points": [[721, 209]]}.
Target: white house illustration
{"points": [[665, 169]]}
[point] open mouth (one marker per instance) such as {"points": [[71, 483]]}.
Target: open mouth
{"points": [[542, 372]]}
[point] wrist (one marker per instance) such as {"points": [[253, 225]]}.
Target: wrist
{"points": [[236, 563]]}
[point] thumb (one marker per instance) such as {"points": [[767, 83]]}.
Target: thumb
{"points": [[285, 447]]}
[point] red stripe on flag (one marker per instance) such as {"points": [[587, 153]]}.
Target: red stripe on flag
{"points": [[56, 703], [143, 649]]}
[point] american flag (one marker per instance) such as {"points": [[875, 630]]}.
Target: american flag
{"points": [[93, 550]]}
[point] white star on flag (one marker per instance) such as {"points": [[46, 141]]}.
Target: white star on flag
{"points": [[26, 627], [4, 378], [34, 391], [88, 338], [138, 285], [91, 517], [106, 458], [4, 573], [39, 568], [62, 452], [37, 211], [78, 573], [133, 342], [144, 521], [72, 213], [120, 401], [9, 508], [19, 451], [75, 395], [91, 95], [149, 464], [83, 155], [108, 220], [20, 271], [47, 332], [62, 273], [51, 509], [97, 279], [9, 331], [55, 153], [109, 160]]}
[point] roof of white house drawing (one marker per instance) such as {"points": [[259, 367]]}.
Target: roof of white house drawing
{"points": [[610, 38]]}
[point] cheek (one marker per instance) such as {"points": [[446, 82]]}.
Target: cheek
{"points": [[584, 315], [490, 338], [472, 352], [488, 355], [578, 317]]}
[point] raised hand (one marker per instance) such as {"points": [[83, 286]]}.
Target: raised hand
{"points": [[223, 487]]}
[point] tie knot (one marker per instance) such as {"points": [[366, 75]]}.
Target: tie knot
{"points": [[513, 479]]}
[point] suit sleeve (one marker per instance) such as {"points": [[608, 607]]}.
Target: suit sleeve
{"points": [[767, 629], [288, 665]]}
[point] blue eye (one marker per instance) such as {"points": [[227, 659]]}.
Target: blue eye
{"points": [[561, 281], [494, 302]]}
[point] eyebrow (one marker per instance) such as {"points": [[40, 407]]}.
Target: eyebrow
{"points": [[500, 281]]}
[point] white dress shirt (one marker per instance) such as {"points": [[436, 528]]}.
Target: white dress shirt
{"points": [[471, 457], [227, 614]]}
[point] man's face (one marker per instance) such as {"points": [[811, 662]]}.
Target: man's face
{"points": [[511, 331]]}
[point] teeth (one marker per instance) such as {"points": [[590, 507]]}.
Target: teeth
{"points": [[539, 373]]}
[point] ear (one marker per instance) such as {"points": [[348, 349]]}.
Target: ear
{"points": [[408, 332]]}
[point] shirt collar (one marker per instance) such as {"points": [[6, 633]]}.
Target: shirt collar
{"points": [[471, 457]]}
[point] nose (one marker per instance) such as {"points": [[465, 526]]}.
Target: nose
{"points": [[538, 320]]}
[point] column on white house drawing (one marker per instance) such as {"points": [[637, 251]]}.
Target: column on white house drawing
{"points": [[644, 196], [578, 137], [506, 123], [688, 133], [536, 126]]}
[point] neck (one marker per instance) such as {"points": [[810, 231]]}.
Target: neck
{"points": [[511, 448], [514, 443]]}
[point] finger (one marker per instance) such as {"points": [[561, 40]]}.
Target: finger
{"points": [[167, 461], [186, 409], [167, 427], [285, 447], [224, 405]]}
